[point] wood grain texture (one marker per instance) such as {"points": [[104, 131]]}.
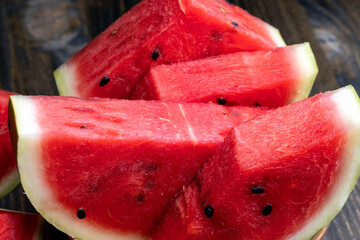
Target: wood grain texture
{"points": [[336, 27], [36, 36]]}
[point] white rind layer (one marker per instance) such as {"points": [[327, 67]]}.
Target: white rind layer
{"points": [[348, 106], [307, 68], [275, 35], [36, 186], [9, 182], [65, 79]]}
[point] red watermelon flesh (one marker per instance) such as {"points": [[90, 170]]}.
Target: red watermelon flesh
{"points": [[283, 175], [269, 78], [185, 218], [118, 161], [20, 226], [9, 176], [160, 32]]}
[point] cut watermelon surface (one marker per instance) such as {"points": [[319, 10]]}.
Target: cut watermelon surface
{"points": [[107, 168], [9, 177], [160, 32], [291, 172], [270, 78], [20, 226]]}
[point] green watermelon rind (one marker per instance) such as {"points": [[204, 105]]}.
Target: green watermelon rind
{"points": [[275, 35], [65, 80], [308, 69], [27, 135], [9, 182], [348, 105]]}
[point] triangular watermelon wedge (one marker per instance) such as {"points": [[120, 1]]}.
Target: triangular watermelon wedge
{"points": [[9, 176], [108, 168], [270, 78], [291, 172], [89, 166], [160, 32]]}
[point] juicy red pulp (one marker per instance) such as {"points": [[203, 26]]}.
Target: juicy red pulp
{"points": [[132, 157], [269, 177], [268, 78], [163, 32]]}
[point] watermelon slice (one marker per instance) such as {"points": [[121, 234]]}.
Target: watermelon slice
{"points": [[269, 78], [160, 32], [107, 168], [291, 172], [9, 176], [20, 226]]}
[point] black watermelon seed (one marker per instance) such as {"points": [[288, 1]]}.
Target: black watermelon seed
{"points": [[235, 24], [257, 190], [256, 104], [221, 101], [83, 127], [105, 80], [155, 54], [140, 199], [209, 211], [81, 213], [267, 210], [203, 202]]}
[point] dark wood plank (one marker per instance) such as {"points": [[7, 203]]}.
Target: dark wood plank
{"points": [[335, 24], [289, 16], [42, 35], [5, 57], [100, 14]]}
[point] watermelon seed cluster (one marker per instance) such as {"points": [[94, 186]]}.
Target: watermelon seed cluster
{"points": [[260, 190]]}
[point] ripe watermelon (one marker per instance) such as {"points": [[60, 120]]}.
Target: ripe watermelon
{"points": [[160, 32], [107, 168], [9, 176], [291, 172], [20, 226], [269, 78]]}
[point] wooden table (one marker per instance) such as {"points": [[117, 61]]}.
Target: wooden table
{"points": [[36, 36]]}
